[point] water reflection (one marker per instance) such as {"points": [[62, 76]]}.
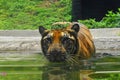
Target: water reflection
{"points": [[84, 74], [94, 69], [36, 67], [65, 71]]}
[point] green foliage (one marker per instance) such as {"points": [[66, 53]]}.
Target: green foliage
{"points": [[109, 21], [103, 76], [60, 26], [29, 14]]}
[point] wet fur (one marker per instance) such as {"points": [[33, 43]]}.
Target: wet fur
{"points": [[80, 45]]}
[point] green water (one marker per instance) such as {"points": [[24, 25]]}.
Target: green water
{"points": [[36, 67]]}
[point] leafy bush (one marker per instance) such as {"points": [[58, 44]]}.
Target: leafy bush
{"points": [[29, 14], [109, 21]]}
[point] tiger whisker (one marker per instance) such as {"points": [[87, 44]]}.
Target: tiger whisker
{"points": [[72, 60]]}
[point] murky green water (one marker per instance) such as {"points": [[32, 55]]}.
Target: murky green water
{"points": [[27, 66]]}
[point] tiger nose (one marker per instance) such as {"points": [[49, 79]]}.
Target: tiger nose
{"points": [[56, 51], [57, 47]]}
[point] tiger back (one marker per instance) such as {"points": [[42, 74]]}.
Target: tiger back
{"points": [[85, 41]]}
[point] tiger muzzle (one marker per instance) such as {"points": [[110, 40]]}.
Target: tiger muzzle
{"points": [[56, 56]]}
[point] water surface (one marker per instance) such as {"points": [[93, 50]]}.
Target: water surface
{"points": [[34, 66]]}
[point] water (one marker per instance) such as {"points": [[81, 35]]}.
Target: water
{"points": [[34, 66]]}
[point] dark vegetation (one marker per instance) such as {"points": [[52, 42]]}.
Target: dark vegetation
{"points": [[111, 20], [29, 14]]}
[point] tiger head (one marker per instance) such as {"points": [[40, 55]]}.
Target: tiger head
{"points": [[58, 44]]}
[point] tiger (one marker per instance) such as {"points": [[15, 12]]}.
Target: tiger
{"points": [[73, 41]]}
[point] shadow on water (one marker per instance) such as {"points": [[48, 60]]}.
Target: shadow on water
{"points": [[35, 67], [64, 71]]}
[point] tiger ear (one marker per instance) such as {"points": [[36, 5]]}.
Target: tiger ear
{"points": [[41, 30], [75, 27]]}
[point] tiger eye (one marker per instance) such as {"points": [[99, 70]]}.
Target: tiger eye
{"points": [[48, 40], [64, 38]]}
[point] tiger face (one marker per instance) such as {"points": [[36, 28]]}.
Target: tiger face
{"points": [[58, 44]]}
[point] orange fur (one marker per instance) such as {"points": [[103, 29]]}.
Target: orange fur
{"points": [[76, 39], [85, 40], [56, 41]]}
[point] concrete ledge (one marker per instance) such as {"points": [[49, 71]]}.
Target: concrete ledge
{"points": [[19, 43], [23, 40], [111, 43]]}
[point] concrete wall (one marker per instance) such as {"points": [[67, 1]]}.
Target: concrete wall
{"points": [[29, 40]]}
